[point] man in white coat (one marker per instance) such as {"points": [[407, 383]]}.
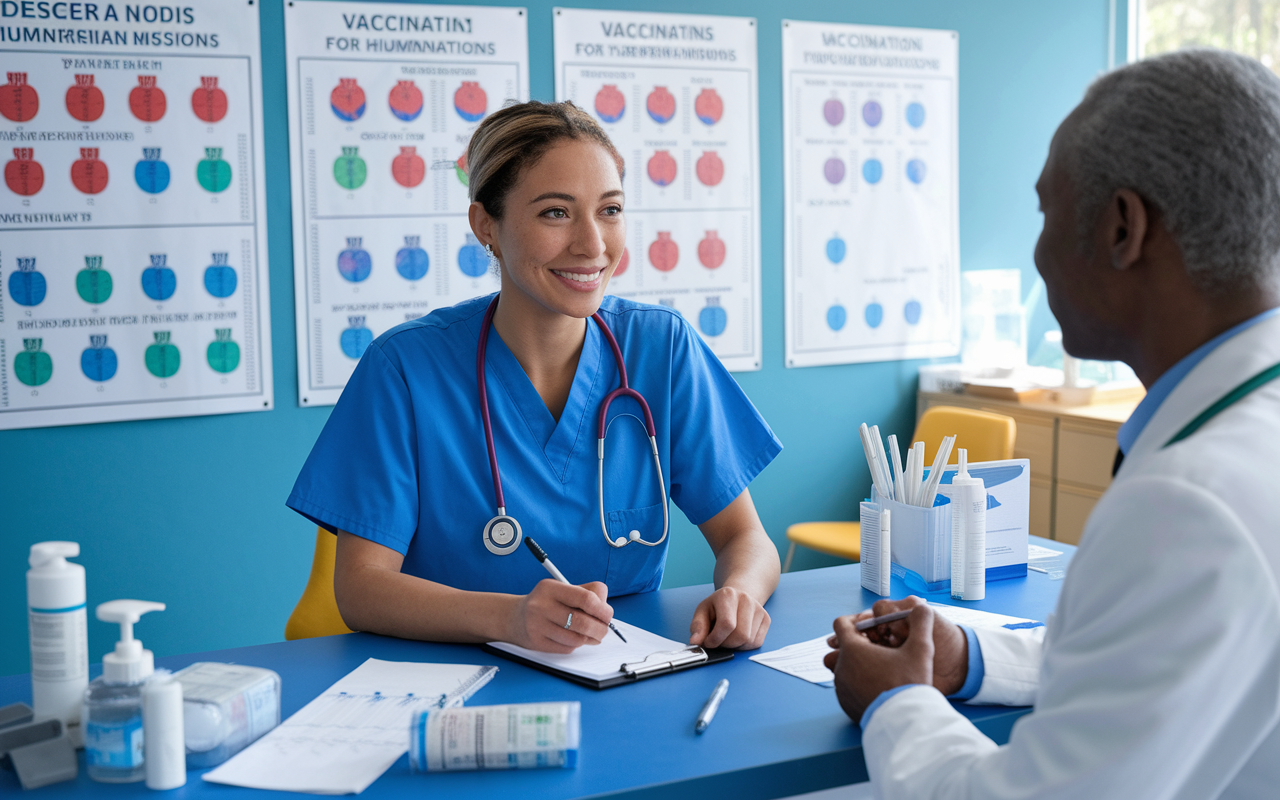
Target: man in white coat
{"points": [[1158, 675]]}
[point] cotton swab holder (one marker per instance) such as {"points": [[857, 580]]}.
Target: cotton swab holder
{"points": [[920, 549]]}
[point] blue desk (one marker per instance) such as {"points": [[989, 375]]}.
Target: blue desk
{"points": [[775, 735]]}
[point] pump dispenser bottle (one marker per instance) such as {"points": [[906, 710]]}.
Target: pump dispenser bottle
{"points": [[59, 634], [112, 710]]}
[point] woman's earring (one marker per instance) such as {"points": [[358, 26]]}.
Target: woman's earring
{"points": [[493, 260]]}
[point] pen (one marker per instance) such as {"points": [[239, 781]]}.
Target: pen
{"points": [[868, 624], [541, 555], [710, 707]]}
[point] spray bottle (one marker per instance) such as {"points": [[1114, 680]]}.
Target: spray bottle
{"points": [[968, 534], [112, 710], [59, 635]]}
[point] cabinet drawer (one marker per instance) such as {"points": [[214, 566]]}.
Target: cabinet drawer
{"points": [[1071, 511], [1035, 443], [1085, 457], [1040, 523]]}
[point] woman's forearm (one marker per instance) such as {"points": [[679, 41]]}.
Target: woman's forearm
{"points": [[376, 597], [749, 563]]}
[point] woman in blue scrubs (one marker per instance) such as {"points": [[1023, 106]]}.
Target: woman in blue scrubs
{"points": [[401, 472]]}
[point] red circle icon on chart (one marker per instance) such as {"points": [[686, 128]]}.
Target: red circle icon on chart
{"points": [[406, 101], [146, 100], [470, 101], [84, 100], [710, 169], [661, 105], [610, 103], [711, 250], [623, 263], [88, 174], [19, 100], [663, 252], [347, 100], [408, 168], [662, 168], [708, 107], [209, 102], [23, 175]]}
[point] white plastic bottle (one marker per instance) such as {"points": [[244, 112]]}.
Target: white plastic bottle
{"points": [[59, 634], [968, 534], [165, 752], [112, 711]]}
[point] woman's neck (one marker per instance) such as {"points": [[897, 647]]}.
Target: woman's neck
{"points": [[547, 345]]}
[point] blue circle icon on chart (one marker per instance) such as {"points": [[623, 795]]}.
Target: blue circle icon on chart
{"points": [[872, 170], [874, 314], [712, 320], [912, 312], [835, 249], [915, 114], [836, 317], [915, 171], [872, 113]]}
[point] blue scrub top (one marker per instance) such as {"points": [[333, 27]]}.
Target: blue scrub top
{"points": [[402, 460]]}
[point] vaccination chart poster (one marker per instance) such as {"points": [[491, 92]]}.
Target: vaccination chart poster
{"points": [[133, 269], [677, 95], [872, 243], [383, 99]]}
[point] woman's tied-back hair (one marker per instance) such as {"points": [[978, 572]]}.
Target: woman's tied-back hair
{"points": [[517, 137]]}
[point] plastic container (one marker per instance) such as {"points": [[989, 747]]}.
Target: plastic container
{"points": [[968, 534], [164, 754], [226, 707], [920, 548], [59, 634], [518, 736], [112, 710]]}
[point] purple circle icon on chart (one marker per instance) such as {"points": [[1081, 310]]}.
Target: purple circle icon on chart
{"points": [[833, 170], [833, 111], [872, 113]]}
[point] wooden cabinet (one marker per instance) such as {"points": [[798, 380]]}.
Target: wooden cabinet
{"points": [[1071, 450]]}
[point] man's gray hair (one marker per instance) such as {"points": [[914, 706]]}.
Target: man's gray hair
{"points": [[1196, 134]]}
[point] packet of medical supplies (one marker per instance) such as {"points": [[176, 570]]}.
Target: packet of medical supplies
{"points": [[516, 736]]}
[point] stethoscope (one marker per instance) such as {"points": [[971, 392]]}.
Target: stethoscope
{"points": [[502, 535]]}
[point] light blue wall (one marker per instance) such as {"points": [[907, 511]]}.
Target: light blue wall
{"points": [[191, 511]]}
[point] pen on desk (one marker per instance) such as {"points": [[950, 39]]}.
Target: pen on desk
{"points": [[868, 624], [541, 555], [710, 707], [1034, 568]]}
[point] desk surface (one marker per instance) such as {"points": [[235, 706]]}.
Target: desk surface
{"points": [[774, 736]]}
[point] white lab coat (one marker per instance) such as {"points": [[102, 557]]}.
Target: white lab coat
{"points": [[1158, 675]]}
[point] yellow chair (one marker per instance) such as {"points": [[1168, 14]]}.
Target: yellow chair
{"points": [[987, 437], [317, 611]]}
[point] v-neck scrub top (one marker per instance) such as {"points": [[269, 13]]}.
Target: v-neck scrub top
{"points": [[402, 459]]}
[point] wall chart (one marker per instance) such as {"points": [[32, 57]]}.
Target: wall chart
{"points": [[383, 99], [872, 229], [133, 271], [677, 94]]}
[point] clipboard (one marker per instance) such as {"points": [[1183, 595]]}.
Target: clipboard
{"points": [[655, 664]]}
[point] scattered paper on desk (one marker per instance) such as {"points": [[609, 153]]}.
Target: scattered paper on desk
{"points": [[803, 660], [600, 661], [1037, 553], [973, 618], [346, 738]]}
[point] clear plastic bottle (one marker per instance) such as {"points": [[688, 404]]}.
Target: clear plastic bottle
{"points": [[112, 709]]}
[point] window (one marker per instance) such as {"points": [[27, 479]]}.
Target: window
{"points": [[1251, 27]]}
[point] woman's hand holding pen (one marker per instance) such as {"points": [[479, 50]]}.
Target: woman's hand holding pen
{"points": [[540, 616]]}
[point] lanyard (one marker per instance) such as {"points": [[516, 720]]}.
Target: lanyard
{"points": [[1230, 398]]}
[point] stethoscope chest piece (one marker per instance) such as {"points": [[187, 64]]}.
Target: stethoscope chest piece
{"points": [[502, 535]]}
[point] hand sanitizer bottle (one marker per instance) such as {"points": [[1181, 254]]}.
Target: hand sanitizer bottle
{"points": [[968, 534], [59, 635], [112, 710]]}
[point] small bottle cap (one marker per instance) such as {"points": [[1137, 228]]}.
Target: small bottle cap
{"points": [[129, 663]]}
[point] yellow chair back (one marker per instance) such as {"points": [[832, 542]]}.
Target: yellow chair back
{"points": [[317, 611], [987, 437]]}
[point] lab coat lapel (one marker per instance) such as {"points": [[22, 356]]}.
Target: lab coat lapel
{"points": [[1232, 363]]}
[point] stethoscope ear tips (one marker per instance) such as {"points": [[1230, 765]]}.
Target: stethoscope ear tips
{"points": [[635, 536], [620, 542]]}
